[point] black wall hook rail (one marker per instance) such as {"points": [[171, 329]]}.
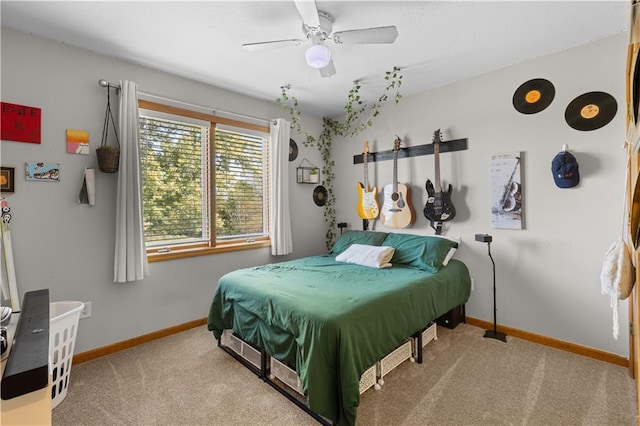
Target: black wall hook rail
{"points": [[413, 151]]}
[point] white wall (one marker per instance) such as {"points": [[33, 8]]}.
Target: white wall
{"points": [[68, 247], [548, 273]]}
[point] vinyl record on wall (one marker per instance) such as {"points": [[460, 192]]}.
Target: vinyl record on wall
{"points": [[591, 111], [635, 86], [633, 95], [293, 150], [533, 96], [320, 195], [634, 32], [635, 216]]}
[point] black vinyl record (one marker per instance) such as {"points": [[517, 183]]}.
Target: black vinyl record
{"points": [[293, 150], [635, 88], [591, 111], [533, 96], [635, 216], [320, 195]]}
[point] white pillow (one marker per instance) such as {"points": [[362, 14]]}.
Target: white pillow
{"points": [[373, 256]]}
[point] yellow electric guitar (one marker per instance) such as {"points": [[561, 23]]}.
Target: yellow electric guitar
{"points": [[368, 207], [397, 211]]}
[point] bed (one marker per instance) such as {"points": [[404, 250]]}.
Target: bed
{"points": [[333, 319]]}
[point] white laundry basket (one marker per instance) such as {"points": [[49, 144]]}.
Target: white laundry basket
{"points": [[63, 327]]}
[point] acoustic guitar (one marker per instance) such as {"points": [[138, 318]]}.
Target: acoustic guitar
{"points": [[439, 207], [368, 207], [397, 211]]}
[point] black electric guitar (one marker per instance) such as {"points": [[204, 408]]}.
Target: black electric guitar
{"points": [[439, 207], [397, 211]]}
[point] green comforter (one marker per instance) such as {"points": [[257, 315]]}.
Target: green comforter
{"points": [[333, 320]]}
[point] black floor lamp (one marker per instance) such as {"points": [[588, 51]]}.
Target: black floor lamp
{"points": [[494, 334]]}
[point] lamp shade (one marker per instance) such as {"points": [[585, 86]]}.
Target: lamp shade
{"points": [[317, 56]]}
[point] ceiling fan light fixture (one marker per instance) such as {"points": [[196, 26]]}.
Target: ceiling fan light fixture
{"points": [[317, 56]]}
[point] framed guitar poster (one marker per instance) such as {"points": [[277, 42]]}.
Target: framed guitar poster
{"points": [[506, 191]]}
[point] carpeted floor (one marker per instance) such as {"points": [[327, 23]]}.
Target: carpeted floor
{"points": [[465, 379]]}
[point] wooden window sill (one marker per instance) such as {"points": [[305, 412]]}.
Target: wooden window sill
{"points": [[159, 255]]}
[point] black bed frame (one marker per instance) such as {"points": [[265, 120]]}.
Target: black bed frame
{"points": [[263, 373], [265, 369]]}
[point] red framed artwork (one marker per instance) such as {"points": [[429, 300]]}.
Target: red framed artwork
{"points": [[20, 123]]}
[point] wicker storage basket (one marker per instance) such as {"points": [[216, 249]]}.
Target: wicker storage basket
{"points": [[108, 159]]}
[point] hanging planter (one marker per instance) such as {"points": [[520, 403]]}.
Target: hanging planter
{"points": [[108, 155]]}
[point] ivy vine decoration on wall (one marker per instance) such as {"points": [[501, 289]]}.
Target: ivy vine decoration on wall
{"points": [[351, 126]]}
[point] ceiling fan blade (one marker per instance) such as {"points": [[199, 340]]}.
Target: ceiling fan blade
{"points": [[366, 35], [266, 45], [328, 71], [308, 12]]}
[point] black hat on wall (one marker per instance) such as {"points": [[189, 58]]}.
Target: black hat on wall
{"points": [[564, 168]]}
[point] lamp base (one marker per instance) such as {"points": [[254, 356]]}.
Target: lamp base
{"points": [[495, 335]]}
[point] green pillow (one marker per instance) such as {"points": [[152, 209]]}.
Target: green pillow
{"points": [[370, 238], [427, 252]]}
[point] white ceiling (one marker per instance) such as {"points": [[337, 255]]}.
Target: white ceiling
{"points": [[439, 41]]}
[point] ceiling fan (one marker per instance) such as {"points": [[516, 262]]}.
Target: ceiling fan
{"points": [[317, 26]]}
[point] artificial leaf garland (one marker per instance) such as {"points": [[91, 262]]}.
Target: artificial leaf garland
{"points": [[351, 126]]}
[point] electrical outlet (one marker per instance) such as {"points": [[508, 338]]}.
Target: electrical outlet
{"points": [[86, 310], [472, 284]]}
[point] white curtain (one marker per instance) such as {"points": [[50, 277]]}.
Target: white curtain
{"points": [[130, 263], [281, 241]]}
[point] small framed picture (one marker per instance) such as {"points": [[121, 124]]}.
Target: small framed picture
{"points": [[42, 171], [7, 179], [77, 141]]}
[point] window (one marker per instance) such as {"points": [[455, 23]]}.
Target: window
{"points": [[204, 182]]}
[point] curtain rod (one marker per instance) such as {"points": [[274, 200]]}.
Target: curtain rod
{"points": [[107, 84]]}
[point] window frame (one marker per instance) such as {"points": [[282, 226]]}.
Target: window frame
{"points": [[178, 251]]}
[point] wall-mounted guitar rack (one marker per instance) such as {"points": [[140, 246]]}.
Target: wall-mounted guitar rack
{"points": [[413, 151]]}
